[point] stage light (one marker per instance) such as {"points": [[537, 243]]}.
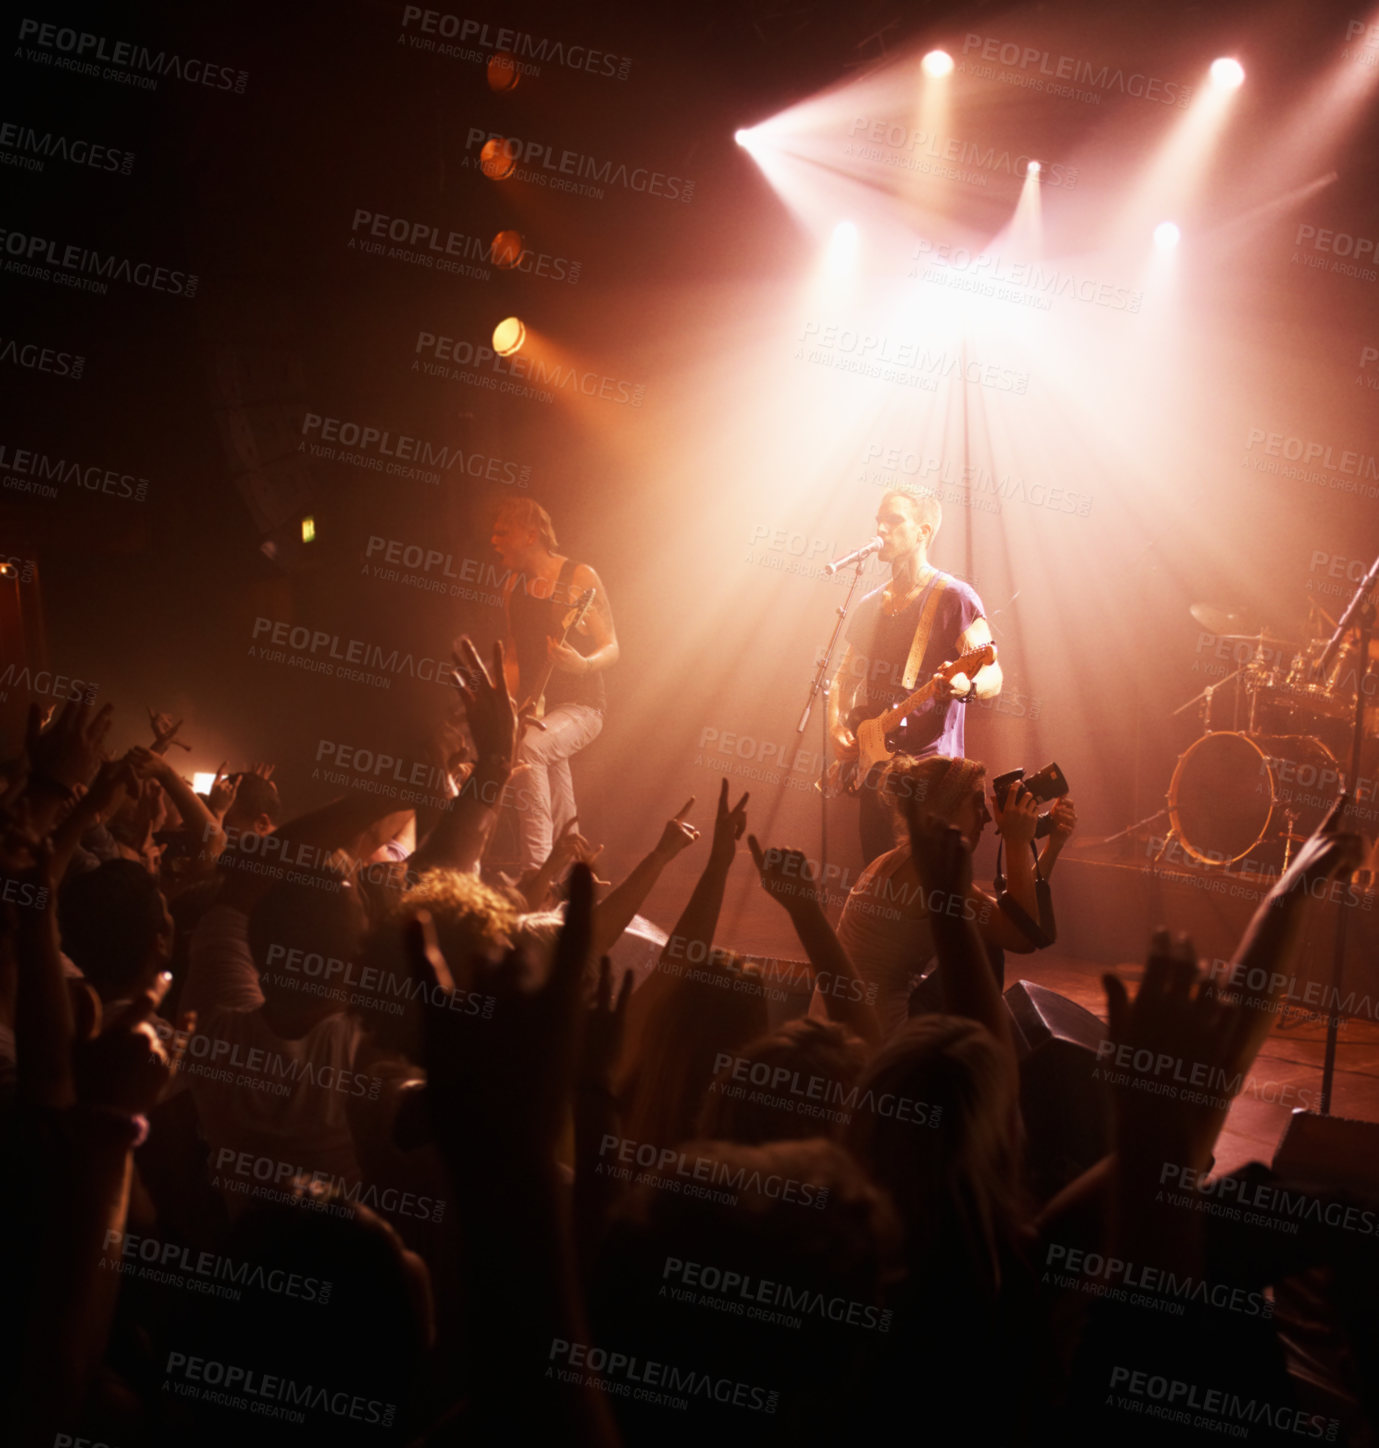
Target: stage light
{"points": [[496, 160], [502, 71], [1227, 73], [308, 528], [508, 336], [506, 249], [8, 570], [1167, 235], [937, 63], [842, 250], [202, 780], [1033, 168], [743, 138]]}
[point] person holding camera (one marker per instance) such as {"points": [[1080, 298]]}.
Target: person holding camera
{"points": [[885, 927]]}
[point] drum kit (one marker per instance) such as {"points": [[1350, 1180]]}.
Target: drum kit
{"points": [[1259, 787]]}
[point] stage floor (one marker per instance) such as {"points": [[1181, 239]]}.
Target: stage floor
{"points": [[1288, 1068]]}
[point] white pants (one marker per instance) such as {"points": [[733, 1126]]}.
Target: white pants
{"points": [[546, 792]]}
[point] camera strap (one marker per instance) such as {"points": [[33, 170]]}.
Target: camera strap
{"points": [[1041, 933]]}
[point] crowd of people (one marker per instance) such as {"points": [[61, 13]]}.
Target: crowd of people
{"points": [[320, 1125]]}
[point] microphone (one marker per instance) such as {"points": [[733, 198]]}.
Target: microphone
{"points": [[856, 556]]}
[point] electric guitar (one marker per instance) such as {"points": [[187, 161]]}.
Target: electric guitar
{"points": [[535, 705], [873, 746]]}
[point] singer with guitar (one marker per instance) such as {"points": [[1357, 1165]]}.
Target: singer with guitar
{"points": [[559, 642], [899, 640]]}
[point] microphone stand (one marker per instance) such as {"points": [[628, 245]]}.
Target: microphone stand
{"points": [[1359, 614], [820, 685]]}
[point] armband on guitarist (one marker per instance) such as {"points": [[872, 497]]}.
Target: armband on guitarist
{"points": [[919, 644]]}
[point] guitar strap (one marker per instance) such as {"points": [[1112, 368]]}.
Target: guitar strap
{"points": [[561, 595], [922, 630]]}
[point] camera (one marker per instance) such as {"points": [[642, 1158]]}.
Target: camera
{"points": [[1048, 784]]}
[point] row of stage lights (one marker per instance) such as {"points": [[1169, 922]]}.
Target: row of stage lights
{"points": [[1227, 73], [505, 251]]}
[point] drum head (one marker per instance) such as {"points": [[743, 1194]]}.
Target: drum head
{"points": [[1233, 792], [1220, 799]]}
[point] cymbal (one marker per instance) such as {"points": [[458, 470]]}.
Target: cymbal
{"points": [[1262, 638], [1220, 620]]}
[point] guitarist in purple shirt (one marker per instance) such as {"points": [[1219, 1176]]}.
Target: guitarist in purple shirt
{"points": [[898, 640], [555, 653]]}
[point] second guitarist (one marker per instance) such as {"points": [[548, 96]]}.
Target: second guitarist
{"points": [[540, 600], [898, 637]]}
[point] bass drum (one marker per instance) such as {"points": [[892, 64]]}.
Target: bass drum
{"points": [[1231, 793]]}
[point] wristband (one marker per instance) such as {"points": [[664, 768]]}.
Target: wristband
{"points": [[132, 1124]]}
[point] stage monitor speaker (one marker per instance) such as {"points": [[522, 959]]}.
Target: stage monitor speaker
{"points": [[1329, 1151], [1066, 1109]]}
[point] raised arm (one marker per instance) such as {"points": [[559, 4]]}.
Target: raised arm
{"points": [[61, 758], [1270, 943], [198, 820], [499, 1088], [786, 877], [692, 938], [944, 863], [458, 840], [614, 913]]}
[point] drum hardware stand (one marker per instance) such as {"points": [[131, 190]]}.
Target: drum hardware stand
{"points": [[1205, 699], [1290, 819], [1359, 614], [1138, 825]]}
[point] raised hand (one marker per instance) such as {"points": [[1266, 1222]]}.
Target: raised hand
{"points": [[1332, 850], [165, 729], [114, 778], [1062, 820], [785, 876], [1172, 1057], [223, 792], [68, 752], [678, 834], [571, 847], [501, 1073], [489, 707], [604, 1025], [1019, 819], [728, 826], [147, 763], [125, 1066]]}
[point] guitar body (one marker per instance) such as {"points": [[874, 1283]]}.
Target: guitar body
{"points": [[872, 747], [874, 733], [534, 709], [846, 776]]}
